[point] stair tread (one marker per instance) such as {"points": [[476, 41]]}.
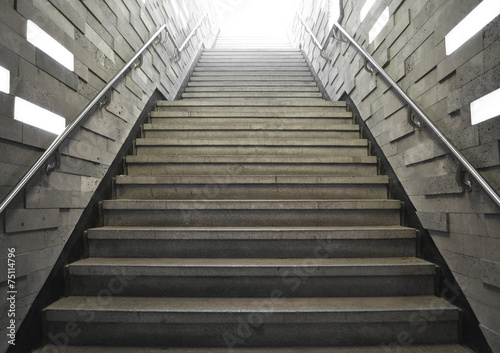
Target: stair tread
{"points": [[252, 266], [250, 179], [250, 142], [400, 349], [252, 204], [249, 127], [341, 309], [260, 159], [251, 103], [253, 233]]}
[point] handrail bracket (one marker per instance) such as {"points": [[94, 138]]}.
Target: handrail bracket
{"points": [[52, 167], [106, 99], [462, 181], [412, 120]]}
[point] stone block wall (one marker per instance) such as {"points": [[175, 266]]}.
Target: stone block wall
{"points": [[103, 35], [411, 47]]}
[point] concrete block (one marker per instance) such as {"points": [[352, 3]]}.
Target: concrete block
{"points": [[88, 152], [488, 313], [16, 43], [74, 11], [439, 185], [434, 221], [96, 39], [18, 154], [11, 130], [82, 71], [465, 265], [492, 337], [423, 152], [42, 198], [33, 136], [56, 70], [82, 167], [21, 220], [54, 15], [483, 156], [451, 62]]}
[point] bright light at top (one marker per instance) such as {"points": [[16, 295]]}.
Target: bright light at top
{"points": [[50, 46], [34, 115], [379, 25], [485, 108], [365, 9], [257, 17], [4, 80], [483, 14]]}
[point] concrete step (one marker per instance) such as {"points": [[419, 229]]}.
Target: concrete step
{"points": [[251, 165], [263, 112], [253, 78], [341, 131], [252, 51], [252, 187], [251, 62], [223, 278], [264, 69], [384, 349], [258, 95], [297, 74], [271, 322], [254, 83], [250, 104], [250, 213], [227, 242], [251, 89], [206, 148], [257, 146], [248, 123]]}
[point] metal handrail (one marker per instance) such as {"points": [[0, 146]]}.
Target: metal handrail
{"points": [[104, 93], [178, 50], [315, 39], [463, 162]]}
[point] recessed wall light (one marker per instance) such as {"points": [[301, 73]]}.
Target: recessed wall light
{"points": [[41, 118], [485, 108], [379, 25], [40, 39], [4, 80], [483, 14], [365, 9]]}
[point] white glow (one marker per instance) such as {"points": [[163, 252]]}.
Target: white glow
{"points": [[379, 25], [34, 115], [483, 14], [334, 12], [365, 9], [50, 46], [485, 108], [268, 18], [4, 80]]}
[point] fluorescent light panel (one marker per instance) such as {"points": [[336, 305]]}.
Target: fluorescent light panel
{"points": [[365, 9], [483, 14], [34, 115], [50, 46], [379, 25], [485, 108], [4, 80]]}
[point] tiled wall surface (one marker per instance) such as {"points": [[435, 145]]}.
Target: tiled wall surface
{"points": [[103, 35], [411, 48]]}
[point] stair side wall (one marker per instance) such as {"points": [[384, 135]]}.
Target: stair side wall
{"points": [[102, 35], [411, 48]]}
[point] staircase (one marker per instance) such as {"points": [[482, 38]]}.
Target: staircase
{"points": [[252, 215]]}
